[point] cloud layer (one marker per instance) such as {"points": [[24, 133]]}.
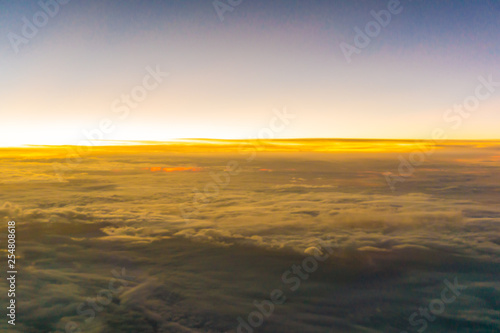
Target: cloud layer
{"points": [[393, 250]]}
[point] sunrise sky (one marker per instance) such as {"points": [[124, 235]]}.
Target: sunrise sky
{"points": [[226, 77], [210, 155]]}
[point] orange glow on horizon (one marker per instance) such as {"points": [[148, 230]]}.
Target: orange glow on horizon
{"points": [[243, 147], [173, 169]]}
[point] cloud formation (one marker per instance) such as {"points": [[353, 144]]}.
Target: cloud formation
{"points": [[393, 250]]}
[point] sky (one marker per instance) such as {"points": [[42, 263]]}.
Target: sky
{"points": [[229, 73]]}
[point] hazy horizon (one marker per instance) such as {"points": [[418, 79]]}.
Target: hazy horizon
{"points": [[250, 166]]}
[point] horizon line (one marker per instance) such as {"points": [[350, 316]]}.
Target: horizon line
{"points": [[207, 141]]}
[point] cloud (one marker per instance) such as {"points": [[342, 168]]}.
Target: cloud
{"points": [[392, 250]]}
